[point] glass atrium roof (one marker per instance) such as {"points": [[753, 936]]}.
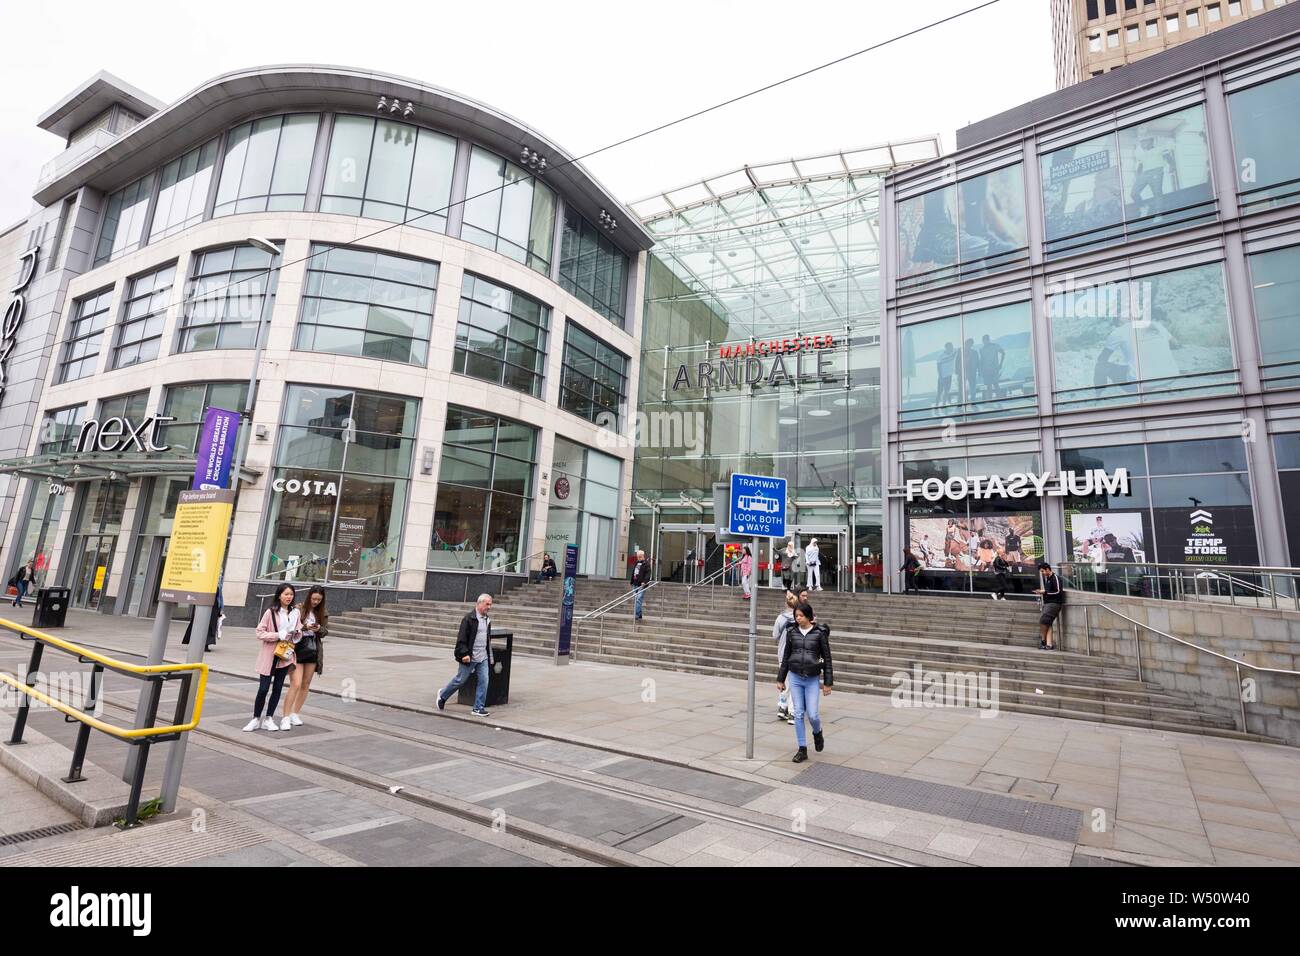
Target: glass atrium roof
{"points": [[779, 247]]}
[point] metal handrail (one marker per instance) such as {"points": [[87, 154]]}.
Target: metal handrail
{"points": [[141, 737], [710, 582], [518, 561], [1237, 663], [610, 605], [1171, 581]]}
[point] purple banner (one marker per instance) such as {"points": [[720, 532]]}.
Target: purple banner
{"points": [[565, 640], [216, 449]]}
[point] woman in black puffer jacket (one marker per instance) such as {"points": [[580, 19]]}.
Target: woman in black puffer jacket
{"points": [[807, 666]]}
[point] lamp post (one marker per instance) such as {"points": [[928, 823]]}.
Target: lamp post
{"points": [[202, 613]]}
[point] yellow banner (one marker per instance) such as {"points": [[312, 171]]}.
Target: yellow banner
{"points": [[198, 544]]}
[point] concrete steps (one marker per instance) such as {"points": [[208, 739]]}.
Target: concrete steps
{"points": [[874, 637]]}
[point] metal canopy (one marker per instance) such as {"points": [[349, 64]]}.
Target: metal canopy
{"points": [[70, 469]]}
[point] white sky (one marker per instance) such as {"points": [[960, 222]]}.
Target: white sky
{"points": [[583, 72]]}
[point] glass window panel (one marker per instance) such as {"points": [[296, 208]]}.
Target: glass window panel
{"points": [[992, 214], [1186, 335], [391, 159], [349, 158], [1266, 138], [1093, 344], [927, 234], [183, 191], [998, 359], [459, 522], [435, 156], [1196, 457], [1275, 279], [1166, 166], [1081, 193], [930, 369]]}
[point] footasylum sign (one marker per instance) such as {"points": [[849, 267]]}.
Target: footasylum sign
{"points": [[1095, 481]]}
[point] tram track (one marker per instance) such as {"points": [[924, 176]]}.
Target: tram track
{"points": [[695, 808]]}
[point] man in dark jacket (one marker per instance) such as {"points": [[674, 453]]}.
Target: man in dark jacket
{"points": [[806, 663], [640, 577], [1002, 572], [1053, 595], [473, 655]]}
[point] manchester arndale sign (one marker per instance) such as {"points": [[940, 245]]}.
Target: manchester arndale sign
{"points": [[1095, 481], [14, 313], [770, 362]]}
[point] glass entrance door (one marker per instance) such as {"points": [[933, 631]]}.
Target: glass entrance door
{"points": [[834, 553], [94, 564], [687, 552]]}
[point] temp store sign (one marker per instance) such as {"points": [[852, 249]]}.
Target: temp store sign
{"points": [[1095, 481]]}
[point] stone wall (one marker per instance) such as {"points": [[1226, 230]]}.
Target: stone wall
{"points": [[1265, 638]]}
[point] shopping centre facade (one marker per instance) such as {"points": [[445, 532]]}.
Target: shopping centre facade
{"points": [[451, 310], [1071, 338], [1103, 283]]}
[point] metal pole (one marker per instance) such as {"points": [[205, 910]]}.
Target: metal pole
{"points": [[1241, 698], [753, 651], [176, 756], [24, 705], [83, 734], [149, 690], [1087, 629], [1137, 643]]}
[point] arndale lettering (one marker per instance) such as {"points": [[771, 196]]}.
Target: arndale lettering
{"points": [[770, 362], [1095, 481]]}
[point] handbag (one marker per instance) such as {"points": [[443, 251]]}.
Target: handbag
{"points": [[284, 650], [307, 646]]}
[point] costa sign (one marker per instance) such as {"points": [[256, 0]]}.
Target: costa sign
{"points": [[294, 486], [768, 362], [14, 313], [120, 434], [1095, 481]]}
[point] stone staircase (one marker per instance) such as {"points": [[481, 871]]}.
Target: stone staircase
{"points": [[873, 637]]}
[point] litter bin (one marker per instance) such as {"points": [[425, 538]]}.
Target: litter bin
{"points": [[499, 677], [51, 607]]}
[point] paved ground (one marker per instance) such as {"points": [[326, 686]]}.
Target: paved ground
{"points": [[948, 782]]}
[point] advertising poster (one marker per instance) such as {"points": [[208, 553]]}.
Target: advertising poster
{"points": [[216, 449], [971, 544], [1107, 536], [564, 639], [345, 561], [1219, 535], [198, 543]]}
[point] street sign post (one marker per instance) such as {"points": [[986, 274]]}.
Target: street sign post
{"points": [[757, 509]]}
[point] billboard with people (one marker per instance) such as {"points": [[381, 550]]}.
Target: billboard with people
{"points": [[1107, 536], [971, 544]]}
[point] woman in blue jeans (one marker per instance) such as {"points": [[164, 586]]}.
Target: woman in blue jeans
{"points": [[807, 666]]}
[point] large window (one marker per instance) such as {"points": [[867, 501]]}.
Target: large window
{"points": [[224, 299], [977, 365], [1189, 503], [388, 170], [188, 404], [131, 407], [1266, 136], [1150, 176], [1275, 278], [183, 191], [594, 380], [485, 489], [1149, 339], [592, 268], [124, 216], [140, 329], [583, 506], [373, 304], [339, 488], [501, 335], [85, 333], [509, 210], [59, 430], [266, 165], [973, 227]]}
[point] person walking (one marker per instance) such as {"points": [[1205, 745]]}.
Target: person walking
{"points": [[309, 655], [813, 556], [1002, 573], [788, 557], [279, 630], [746, 566], [640, 575], [22, 580], [784, 620], [1053, 595], [911, 570], [473, 654], [806, 664]]}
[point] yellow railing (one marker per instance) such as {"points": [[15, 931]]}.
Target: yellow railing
{"points": [[121, 667], [194, 682]]}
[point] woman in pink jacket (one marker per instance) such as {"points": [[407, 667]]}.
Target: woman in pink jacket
{"points": [[746, 566], [279, 623]]}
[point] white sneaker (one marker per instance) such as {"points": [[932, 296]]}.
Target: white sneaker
{"points": [[295, 720], [253, 724], [269, 724], [286, 724]]}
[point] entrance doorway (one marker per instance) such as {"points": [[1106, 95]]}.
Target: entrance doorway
{"points": [[835, 553], [94, 565], [687, 553]]}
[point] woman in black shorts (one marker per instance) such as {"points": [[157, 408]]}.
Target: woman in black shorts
{"points": [[309, 653]]}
